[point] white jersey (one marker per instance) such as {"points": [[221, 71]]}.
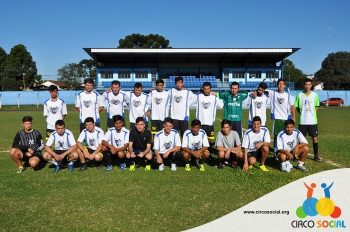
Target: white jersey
{"points": [[117, 139], [195, 142], [206, 108], [53, 111], [138, 106], [257, 107], [159, 104], [289, 142], [61, 142], [88, 104], [115, 103], [93, 139], [180, 102], [251, 138], [281, 103], [164, 142]]}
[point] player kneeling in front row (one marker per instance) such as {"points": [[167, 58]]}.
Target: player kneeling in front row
{"points": [[27, 146], [64, 147], [167, 145], [256, 144], [140, 141], [291, 144], [228, 144], [195, 143], [116, 142], [92, 136]]}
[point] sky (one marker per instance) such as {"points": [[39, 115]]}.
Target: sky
{"points": [[55, 32]]}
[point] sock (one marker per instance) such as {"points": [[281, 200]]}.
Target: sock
{"points": [[315, 147], [54, 162], [71, 163], [200, 161], [122, 160], [107, 157]]}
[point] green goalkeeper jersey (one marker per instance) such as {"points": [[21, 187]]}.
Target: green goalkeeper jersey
{"points": [[233, 105]]}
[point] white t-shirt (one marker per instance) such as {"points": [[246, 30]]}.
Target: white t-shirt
{"points": [[138, 106], [117, 139], [61, 142], [206, 108], [251, 138], [180, 102], [307, 105], [53, 111], [115, 103], [281, 103], [195, 142], [88, 104], [159, 104], [164, 142], [93, 139], [289, 142], [257, 107]]}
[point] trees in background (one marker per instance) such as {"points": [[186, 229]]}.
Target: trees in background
{"points": [[335, 71], [144, 41], [293, 74], [17, 69]]}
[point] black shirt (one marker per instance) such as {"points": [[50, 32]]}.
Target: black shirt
{"points": [[32, 139], [140, 140]]}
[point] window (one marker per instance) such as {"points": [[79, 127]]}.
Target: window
{"points": [[107, 75], [272, 74], [238, 75], [254, 74], [141, 75], [123, 75]]}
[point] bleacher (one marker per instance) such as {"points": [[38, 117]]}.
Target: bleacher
{"points": [[192, 81], [128, 84]]}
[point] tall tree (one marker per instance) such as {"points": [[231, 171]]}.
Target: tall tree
{"points": [[144, 41], [3, 56], [293, 74], [88, 67], [20, 69], [71, 75], [335, 71]]}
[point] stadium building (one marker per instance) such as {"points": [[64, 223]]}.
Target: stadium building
{"points": [[220, 66]]}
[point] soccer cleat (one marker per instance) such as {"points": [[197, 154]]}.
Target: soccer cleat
{"points": [[71, 167], [132, 168], [301, 168], [201, 168], [187, 168], [109, 167], [122, 166], [173, 167], [220, 166], [100, 166], [83, 167], [263, 168], [21, 169], [161, 167], [317, 159], [148, 168], [56, 168]]}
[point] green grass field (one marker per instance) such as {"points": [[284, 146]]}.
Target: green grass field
{"points": [[155, 201]]}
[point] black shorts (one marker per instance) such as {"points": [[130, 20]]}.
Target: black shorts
{"points": [[173, 157], [48, 133], [82, 126], [181, 126], [311, 130], [255, 154], [26, 158], [156, 126], [132, 125], [209, 130], [237, 126]]}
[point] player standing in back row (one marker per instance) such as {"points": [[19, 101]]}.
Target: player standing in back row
{"points": [[54, 109], [233, 106], [89, 103], [180, 101], [307, 104]]}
